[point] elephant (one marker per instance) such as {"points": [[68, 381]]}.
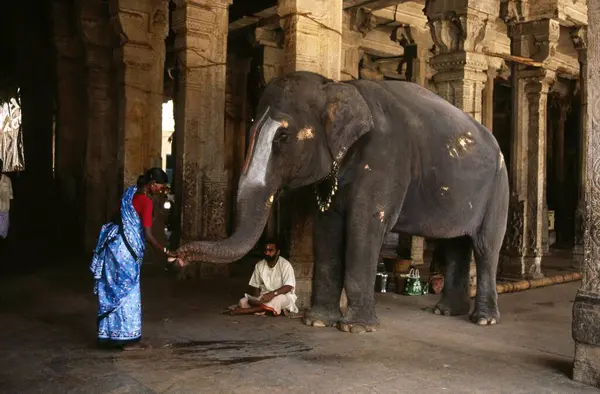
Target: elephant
{"points": [[382, 156]]}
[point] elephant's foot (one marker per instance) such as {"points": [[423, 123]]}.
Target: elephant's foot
{"points": [[357, 323], [452, 306], [322, 317], [485, 316]]}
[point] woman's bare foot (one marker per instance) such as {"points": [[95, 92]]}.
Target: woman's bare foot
{"points": [[135, 346]]}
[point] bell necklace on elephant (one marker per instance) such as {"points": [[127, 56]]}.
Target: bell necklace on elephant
{"points": [[330, 182]]}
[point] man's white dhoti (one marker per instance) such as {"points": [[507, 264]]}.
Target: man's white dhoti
{"points": [[279, 303]]}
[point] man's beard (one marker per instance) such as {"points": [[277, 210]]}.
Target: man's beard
{"points": [[270, 259]]}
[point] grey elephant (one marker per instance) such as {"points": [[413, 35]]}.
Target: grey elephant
{"points": [[383, 156]]}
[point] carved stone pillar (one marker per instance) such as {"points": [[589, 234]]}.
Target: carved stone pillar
{"points": [[71, 124], [201, 28], [140, 65], [461, 68], [523, 248], [579, 36], [201, 46], [586, 309], [462, 87], [351, 52], [487, 116], [312, 42], [102, 162], [235, 125], [312, 36]]}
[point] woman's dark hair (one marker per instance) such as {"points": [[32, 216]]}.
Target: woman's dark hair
{"points": [[155, 174]]}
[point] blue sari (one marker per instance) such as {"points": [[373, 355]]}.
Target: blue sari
{"points": [[116, 266]]}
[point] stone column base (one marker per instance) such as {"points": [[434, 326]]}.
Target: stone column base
{"points": [[520, 267], [586, 365], [586, 333]]}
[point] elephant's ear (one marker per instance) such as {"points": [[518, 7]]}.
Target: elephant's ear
{"points": [[347, 117]]}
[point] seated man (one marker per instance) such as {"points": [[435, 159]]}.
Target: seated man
{"points": [[271, 286]]}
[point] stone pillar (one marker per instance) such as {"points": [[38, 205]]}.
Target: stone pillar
{"points": [[312, 36], [462, 87], [586, 309], [564, 104], [527, 224], [487, 116], [579, 36], [103, 165], [200, 177], [71, 126], [140, 63], [235, 125], [351, 52], [312, 42], [523, 252]]}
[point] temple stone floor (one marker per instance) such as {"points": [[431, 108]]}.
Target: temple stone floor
{"points": [[47, 342]]}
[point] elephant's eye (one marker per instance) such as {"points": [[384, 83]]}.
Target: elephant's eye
{"points": [[282, 135]]}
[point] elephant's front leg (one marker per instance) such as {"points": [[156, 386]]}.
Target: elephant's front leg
{"points": [[366, 227], [328, 238]]}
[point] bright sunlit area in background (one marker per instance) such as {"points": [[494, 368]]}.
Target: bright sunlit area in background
{"points": [[168, 128]]}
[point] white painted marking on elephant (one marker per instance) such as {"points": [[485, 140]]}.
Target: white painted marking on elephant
{"points": [[461, 143], [367, 167], [453, 152], [470, 205], [262, 152], [444, 189], [501, 164], [305, 134]]}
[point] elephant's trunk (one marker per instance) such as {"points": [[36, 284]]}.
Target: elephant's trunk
{"points": [[252, 212], [256, 194]]}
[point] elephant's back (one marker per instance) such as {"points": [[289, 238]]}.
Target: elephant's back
{"points": [[416, 117], [452, 158]]}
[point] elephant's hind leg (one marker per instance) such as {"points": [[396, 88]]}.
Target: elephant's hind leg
{"points": [[456, 253], [487, 244], [327, 286]]}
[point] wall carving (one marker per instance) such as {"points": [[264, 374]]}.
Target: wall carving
{"points": [[513, 241], [362, 21], [453, 33]]}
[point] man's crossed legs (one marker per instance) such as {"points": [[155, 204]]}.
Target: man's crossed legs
{"points": [[279, 303]]}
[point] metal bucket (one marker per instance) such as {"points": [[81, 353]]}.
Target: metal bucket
{"points": [[381, 282]]}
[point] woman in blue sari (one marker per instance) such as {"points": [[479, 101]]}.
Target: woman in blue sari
{"points": [[117, 261]]}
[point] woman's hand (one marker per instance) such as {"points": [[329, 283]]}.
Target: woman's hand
{"points": [[175, 258]]}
